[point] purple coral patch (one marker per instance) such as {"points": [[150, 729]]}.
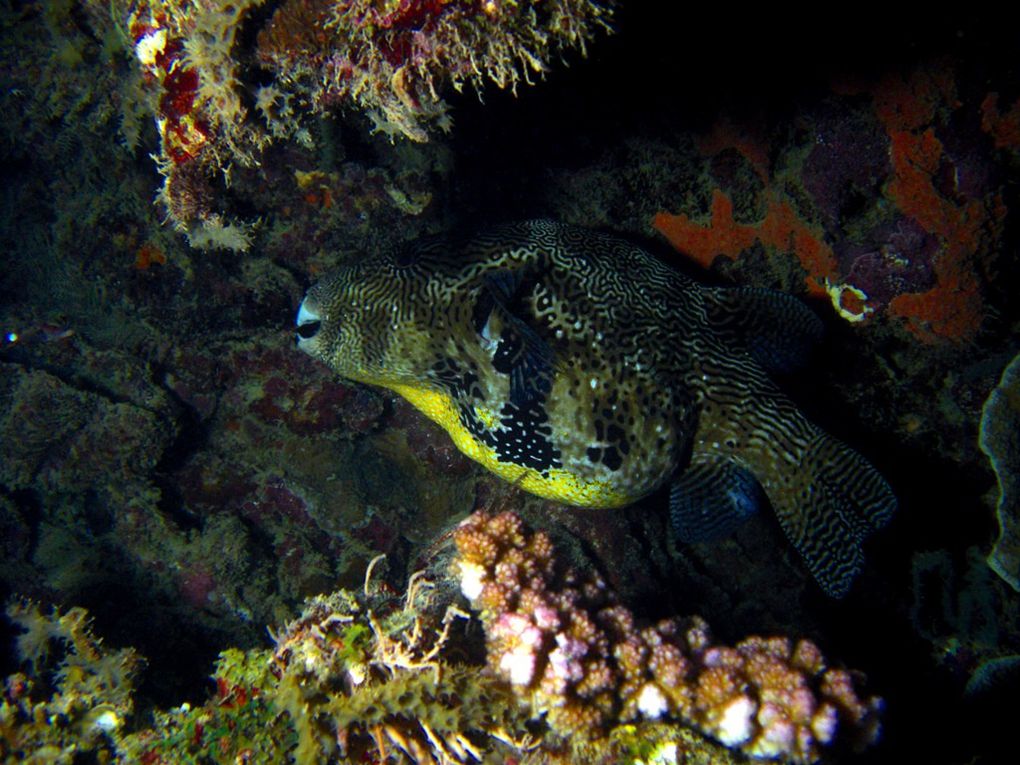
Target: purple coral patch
{"points": [[847, 165], [896, 258]]}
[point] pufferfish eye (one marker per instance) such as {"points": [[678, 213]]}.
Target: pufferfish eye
{"points": [[308, 321], [308, 329]]}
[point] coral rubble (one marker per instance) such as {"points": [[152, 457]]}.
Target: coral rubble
{"points": [[575, 654]]}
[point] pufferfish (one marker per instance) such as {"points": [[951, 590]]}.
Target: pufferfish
{"points": [[581, 368]]}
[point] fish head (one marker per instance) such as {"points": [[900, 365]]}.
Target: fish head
{"points": [[371, 321]]}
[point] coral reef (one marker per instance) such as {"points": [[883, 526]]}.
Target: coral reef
{"points": [[391, 60], [168, 461], [370, 676], [1000, 441], [357, 677], [186, 53], [72, 697], [893, 208], [148, 398], [576, 655], [398, 693]]}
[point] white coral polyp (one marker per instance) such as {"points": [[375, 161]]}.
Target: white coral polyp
{"points": [[651, 703], [518, 665], [472, 580], [546, 618], [564, 666], [824, 723], [150, 46], [778, 739], [735, 724]]}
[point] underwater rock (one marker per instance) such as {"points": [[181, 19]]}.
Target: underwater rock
{"points": [[57, 437], [999, 438]]}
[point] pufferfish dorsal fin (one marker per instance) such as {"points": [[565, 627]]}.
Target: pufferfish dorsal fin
{"points": [[502, 322], [777, 329]]}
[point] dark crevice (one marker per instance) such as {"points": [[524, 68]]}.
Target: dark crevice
{"points": [[192, 437], [20, 357]]}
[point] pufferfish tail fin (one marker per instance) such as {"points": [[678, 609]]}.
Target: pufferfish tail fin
{"points": [[827, 497], [835, 501]]}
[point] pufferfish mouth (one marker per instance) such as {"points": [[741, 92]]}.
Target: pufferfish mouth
{"points": [[308, 323]]}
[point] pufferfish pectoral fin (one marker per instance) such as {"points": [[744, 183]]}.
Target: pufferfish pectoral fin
{"points": [[518, 350], [711, 498], [776, 329]]}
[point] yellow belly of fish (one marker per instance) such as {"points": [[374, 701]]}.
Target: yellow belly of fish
{"points": [[557, 484]]}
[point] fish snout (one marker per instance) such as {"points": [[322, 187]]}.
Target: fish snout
{"points": [[308, 324]]}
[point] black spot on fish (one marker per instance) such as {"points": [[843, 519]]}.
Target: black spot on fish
{"points": [[525, 438]]}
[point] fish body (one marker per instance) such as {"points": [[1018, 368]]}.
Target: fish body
{"points": [[581, 368]]}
